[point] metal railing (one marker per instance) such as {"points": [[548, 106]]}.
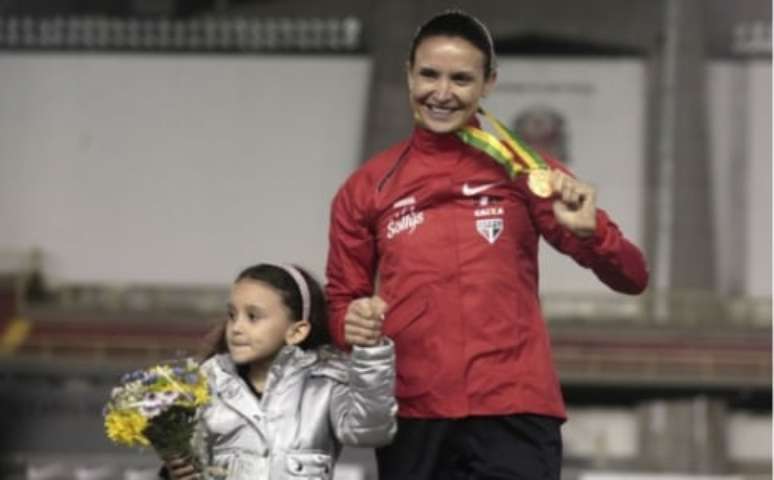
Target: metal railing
{"points": [[298, 34], [686, 308]]}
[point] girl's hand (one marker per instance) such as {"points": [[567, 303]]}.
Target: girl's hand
{"points": [[181, 469]]}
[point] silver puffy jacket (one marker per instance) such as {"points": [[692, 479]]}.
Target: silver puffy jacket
{"points": [[313, 402]]}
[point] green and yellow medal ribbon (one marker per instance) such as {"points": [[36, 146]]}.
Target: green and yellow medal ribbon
{"points": [[530, 157], [489, 144], [509, 150]]}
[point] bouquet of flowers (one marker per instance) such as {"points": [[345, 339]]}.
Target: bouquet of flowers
{"points": [[157, 407]]}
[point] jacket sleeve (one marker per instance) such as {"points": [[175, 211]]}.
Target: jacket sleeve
{"points": [[352, 258], [363, 410], [616, 261]]}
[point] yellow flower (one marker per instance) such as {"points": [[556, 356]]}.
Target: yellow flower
{"points": [[201, 393], [126, 428]]}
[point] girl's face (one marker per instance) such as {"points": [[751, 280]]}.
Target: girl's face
{"points": [[259, 323], [446, 83]]}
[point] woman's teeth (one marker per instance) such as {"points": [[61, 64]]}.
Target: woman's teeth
{"points": [[440, 113], [436, 109]]}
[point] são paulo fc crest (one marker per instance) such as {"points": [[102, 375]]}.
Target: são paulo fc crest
{"points": [[490, 228]]}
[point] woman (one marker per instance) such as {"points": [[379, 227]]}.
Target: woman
{"points": [[453, 238]]}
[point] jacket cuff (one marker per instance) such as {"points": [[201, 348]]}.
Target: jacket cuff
{"points": [[385, 350], [596, 241]]}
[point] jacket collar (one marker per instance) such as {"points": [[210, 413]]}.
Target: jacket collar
{"points": [[289, 359], [431, 142]]}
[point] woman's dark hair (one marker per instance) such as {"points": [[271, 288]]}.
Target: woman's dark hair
{"points": [[279, 279], [456, 23]]}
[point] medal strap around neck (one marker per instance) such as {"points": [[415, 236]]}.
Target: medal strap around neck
{"points": [[496, 147], [489, 144]]}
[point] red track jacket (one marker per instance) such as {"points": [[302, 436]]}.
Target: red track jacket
{"points": [[455, 245]]}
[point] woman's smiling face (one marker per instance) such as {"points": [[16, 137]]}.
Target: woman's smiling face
{"points": [[446, 82]]}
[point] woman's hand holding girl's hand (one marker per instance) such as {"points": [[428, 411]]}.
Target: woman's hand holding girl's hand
{"points": [[363, 321]]}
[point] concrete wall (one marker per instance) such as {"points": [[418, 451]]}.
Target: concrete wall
{"points": [[174, 169], [740, 150]]}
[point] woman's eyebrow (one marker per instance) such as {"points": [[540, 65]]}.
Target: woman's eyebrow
{"points": [[465, 75]]}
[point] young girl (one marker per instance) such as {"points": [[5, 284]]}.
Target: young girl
{"points": [[283, 401]]}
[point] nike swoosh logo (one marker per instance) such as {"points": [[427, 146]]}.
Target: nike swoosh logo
{"points": [[469, 191]]}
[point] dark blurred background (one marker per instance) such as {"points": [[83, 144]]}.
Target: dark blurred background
{"points": [[150, 149]]}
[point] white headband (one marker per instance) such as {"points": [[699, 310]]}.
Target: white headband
{"points": [[303, 287]]}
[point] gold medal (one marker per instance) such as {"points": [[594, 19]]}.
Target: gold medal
{"points": [[539, 182]]}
